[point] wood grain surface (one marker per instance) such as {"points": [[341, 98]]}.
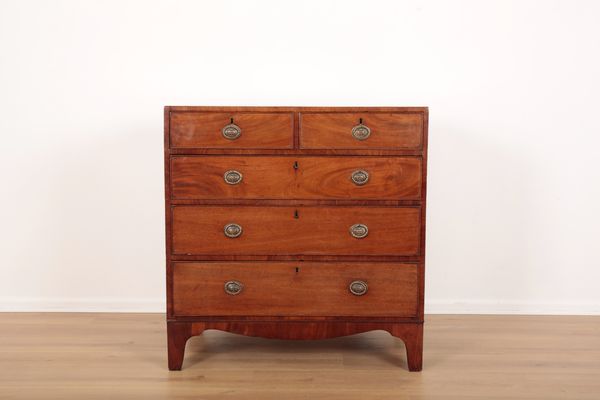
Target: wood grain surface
{"points": [[295, 289], [289, 177], [64, 356], [317, 230], [259, 130], [333, 130]]}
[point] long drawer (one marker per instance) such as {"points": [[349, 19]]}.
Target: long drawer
{"points": [[318, 230], [295, 289], [283, 177]]}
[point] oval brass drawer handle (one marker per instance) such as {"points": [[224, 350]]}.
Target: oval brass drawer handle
{"points": [[233, 177], [233, 287], [358, 288], [360, 177], [232, 230], [231, 131], [359, 231], [361, 131]]}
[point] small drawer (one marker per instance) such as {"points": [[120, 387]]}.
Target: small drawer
{"points": [[295, 289], [293, 177], [383, 131], [284, 230], [231, 130]]}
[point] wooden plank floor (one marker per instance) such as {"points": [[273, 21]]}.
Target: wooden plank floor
{"points": [[123, 356]]}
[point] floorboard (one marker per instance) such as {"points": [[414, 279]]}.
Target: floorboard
{"points": [[123, 356]]}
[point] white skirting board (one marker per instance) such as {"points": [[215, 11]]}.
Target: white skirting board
{"points": [[509, 307], [431, 306], [83, 305]]}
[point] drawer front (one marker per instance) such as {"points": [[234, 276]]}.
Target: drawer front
{"points": [[295, 289], [277, 177], [386, 131], [256, 130], [200, 230]]}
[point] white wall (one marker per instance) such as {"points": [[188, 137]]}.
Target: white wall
{"points": [[514, 178]]}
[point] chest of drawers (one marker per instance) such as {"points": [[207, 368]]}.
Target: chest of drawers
{"points": [[295, 223]]}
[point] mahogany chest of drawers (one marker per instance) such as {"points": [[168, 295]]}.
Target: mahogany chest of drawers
{"points": [[295, 223]]}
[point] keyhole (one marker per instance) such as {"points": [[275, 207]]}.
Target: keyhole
{"points": [[295, 164], [296, 214], [297, 269]]}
